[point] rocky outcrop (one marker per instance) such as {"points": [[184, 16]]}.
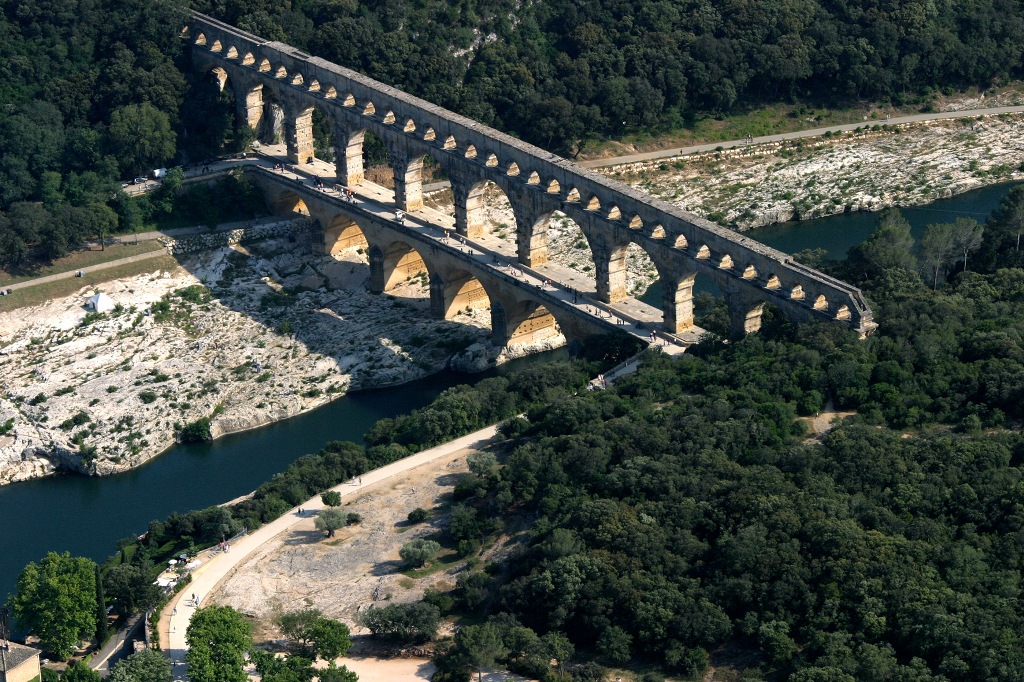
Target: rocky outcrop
{"points": [[245, 335], [870, 169]]}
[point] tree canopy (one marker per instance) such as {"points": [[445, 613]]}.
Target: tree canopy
{"points": [[145, 666], [218, 638], [56, 600], [685, 509]]}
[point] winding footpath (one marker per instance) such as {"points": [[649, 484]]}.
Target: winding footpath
{"points": [[175, 617]]}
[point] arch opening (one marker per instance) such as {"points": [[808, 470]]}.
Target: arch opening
{"points": [[216, 120], [403, 272], [567, 245], [342, 237], [324, 142], [463, 295], [440, 200], [487, 211], [641, 272], [289, 203], [377, 162], [529, 323]]}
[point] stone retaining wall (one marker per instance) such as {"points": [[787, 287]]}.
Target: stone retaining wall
{"points": [[300, 227]]}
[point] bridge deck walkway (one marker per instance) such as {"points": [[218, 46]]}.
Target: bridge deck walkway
{"points": [[633, 316]]}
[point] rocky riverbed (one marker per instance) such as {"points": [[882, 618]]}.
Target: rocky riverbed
{"points": [[242, 335], [870, 169]]}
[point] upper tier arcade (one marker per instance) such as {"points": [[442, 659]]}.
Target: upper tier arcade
{"points": [[611, 214]]}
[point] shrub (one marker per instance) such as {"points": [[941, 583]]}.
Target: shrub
{"points": [[417, 552], [417, 515], [196, 432], [405, 622]]}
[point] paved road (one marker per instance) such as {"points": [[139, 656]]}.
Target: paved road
{"points": [[116, 648], [177, 614], [795, 135]]}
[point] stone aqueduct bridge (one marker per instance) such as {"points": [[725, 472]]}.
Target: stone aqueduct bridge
{"points": [[610, 214], [520, 313]]}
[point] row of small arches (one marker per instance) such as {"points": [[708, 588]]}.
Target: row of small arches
{"points": [[592, 204], [512, 169]]}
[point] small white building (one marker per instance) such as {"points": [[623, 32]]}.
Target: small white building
{"points": [[101, 303]]}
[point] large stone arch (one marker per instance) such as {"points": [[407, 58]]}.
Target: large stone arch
{"points": [[522, 322], [246, 92], [395, 263], [468, 196], [341, 233], [553, 234], [455, 290], [285, 202]]}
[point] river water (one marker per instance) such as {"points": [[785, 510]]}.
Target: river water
{"points": [[86, 516]]}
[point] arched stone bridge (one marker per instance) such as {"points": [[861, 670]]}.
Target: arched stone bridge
{"points": [[610, 214], [520, 312]]}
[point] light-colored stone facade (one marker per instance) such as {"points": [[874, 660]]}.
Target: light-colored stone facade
{"points": [[18, 663]]}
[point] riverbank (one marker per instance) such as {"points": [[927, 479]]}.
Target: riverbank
{"points": [[242, 336], [870, 169]]}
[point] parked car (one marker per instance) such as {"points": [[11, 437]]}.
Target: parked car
{"points": [[140, 181]]}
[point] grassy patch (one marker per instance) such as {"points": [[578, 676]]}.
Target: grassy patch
{"points": [[79, 260], [41, 293]]}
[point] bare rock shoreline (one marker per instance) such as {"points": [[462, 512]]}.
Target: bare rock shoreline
{"points": [[876, 167], [243, 336]]}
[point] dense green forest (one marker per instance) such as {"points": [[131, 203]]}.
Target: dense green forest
{"points": [[555, 71], [685, 515], [96, 92]]}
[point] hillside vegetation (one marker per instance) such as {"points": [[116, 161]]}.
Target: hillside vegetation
{"points": [[555, 71], [98, 92], [683, 517]]}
